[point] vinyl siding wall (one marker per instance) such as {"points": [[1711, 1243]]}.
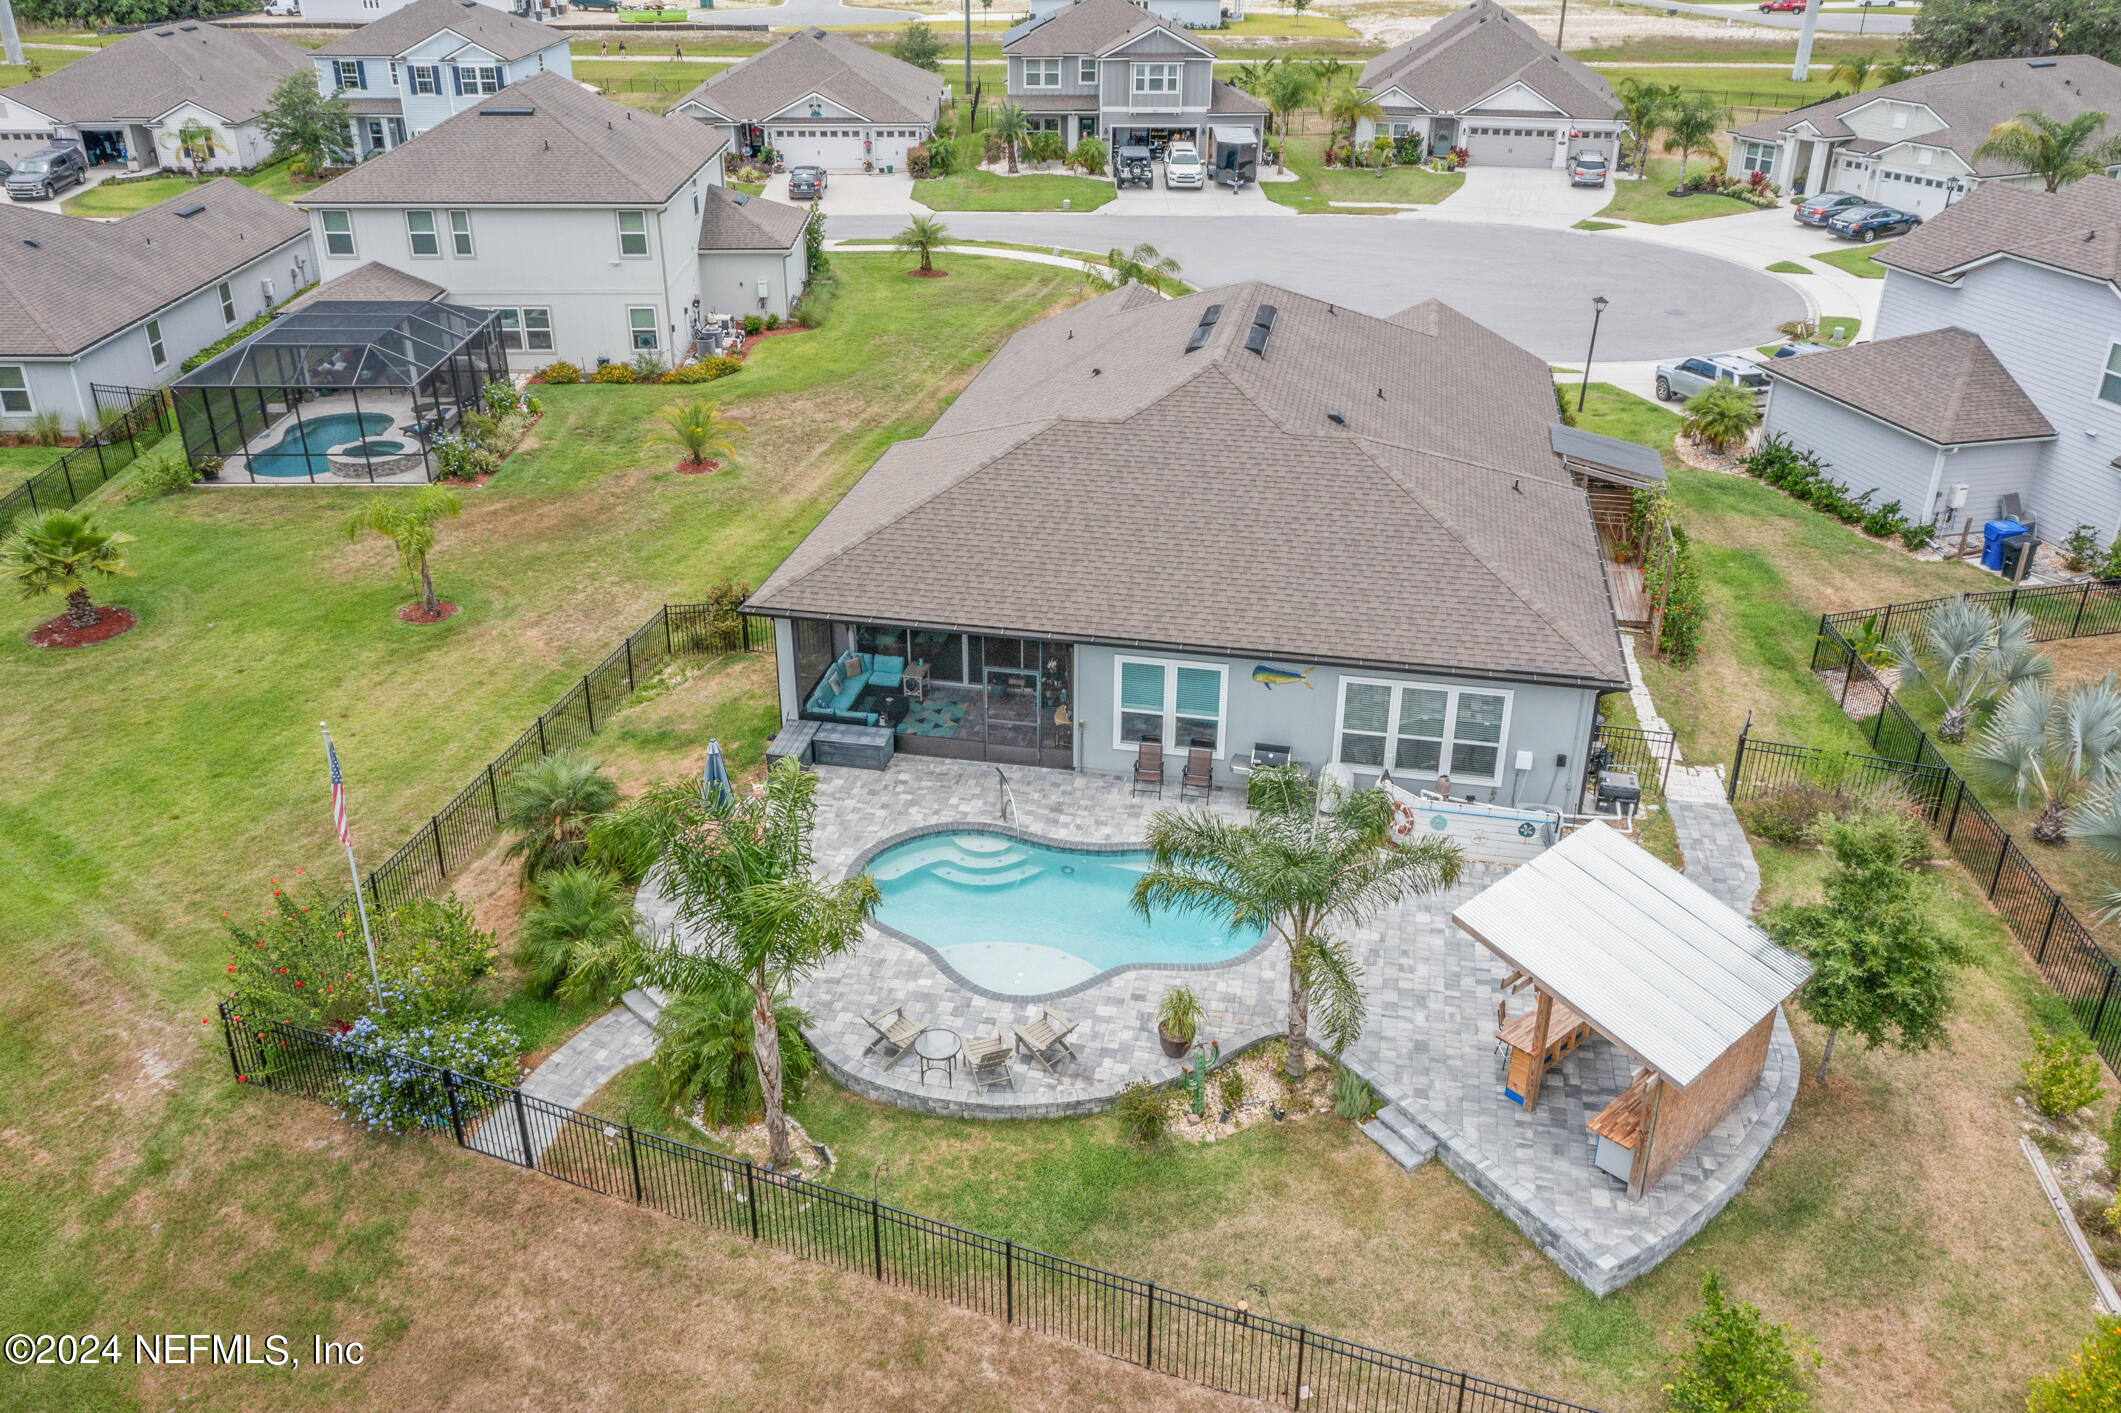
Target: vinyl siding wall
{"points": [[1860, 452], [729, 281]]}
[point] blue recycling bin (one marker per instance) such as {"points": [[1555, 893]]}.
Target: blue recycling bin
{"points": [[1993, 534]]}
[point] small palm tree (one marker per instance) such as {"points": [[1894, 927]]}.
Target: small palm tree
{"points": [[1721, 415], [1969, 656], [1348, 106], [1855, 71], [1143, 265], [1286, 90], [550, 804], [580, 912], [410, 525], [1643, 105], [1691, 123], [923, 235], [1308, 864], [2095, 822], [2055, 151], [60, 552], [2055, 747], [1010, 125], [196, 143], [697, 426]]}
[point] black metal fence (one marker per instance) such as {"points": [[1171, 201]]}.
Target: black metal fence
{"points": [[1647, 753], [130, 421], [1184, 1336], [2089, 609], [460, 831]]}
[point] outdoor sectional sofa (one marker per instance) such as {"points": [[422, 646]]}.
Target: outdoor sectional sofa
{"points": [[840, 687]]}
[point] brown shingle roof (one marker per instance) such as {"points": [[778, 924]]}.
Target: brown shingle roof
{"points": [[499, 33], [880, 88], [1090, 27], [371, 282], [141, 77], [1479, 51], [2077, 228], [85, 280], [730, 220], [570, 147], [1410, 534], [1229, 98], [1944, 386]]}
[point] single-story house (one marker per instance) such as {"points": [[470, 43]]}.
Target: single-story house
{"points": [[1190, 14], [424, 61], [1483, 79], [124, 105], [1122, 71], [364, 11], [820, 99], [1236, 521], [1911, 144], [123, 303]]}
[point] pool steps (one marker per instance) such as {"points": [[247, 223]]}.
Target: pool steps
{"points": [[956, 860], [1405, 1141], [987, 876]]}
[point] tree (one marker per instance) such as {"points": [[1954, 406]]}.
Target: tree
{"points": [[748, 908], [61, 552], [196, 143], [1143, 265], [1969, 656], [1009, 126], [1090, 156], [1739, 1362], [1952, 32], [2092, 1381], [918, 46], [1691, 122], [1881, 966], [1348, 106], [2055, 151], [2055, 747], [550, 804], [923, 236], [697, 426], [1721, 415], [1312, 860], [410, 525], [304, 125], [703, 1053], [579, 914], [1286, 90], [1855, 71], [1327, 71], [1643, 105]]}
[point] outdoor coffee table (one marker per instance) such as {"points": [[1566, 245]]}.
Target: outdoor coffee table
{"points": [[937, 1049]]}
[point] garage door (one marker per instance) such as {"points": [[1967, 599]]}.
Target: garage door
{"points": [[834, 149], [1911, 191], [1530, 145]]}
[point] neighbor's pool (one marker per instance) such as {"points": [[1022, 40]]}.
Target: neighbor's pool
{"points": [[1023, 919], [300, 450]]}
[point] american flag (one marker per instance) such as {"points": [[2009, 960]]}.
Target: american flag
{"points": [[338, 795]]}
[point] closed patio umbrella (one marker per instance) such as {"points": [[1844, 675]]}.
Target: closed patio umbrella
{"points": [[715, 793]]}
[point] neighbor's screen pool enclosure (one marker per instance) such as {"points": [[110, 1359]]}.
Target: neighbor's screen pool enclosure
{"points": [[341, 390]]}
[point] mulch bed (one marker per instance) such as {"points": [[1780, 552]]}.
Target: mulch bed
{"points": [[697, 468], [929, 274], [58, 633], [417, 613], [751, 340]]}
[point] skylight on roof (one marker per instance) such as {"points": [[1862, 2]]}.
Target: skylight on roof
{"points": [[185, 213]]}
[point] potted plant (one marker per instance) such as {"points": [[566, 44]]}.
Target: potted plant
{"points": [[1178, 1016]]}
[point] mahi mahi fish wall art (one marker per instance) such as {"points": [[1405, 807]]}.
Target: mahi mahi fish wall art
{"points": [[1270, 677]]}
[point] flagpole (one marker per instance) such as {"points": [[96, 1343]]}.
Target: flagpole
{"points": [[359, 905]]}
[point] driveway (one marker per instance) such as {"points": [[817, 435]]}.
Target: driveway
{"points": [[1210, 200], [1540, 197], [871, 194]]}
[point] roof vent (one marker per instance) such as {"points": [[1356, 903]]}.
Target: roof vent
{"points": [[736, 196], [187, 212], [1338, 419], [2039, 63], [164, 33], [187, 28], [490, 111], [1204, 328], [1095, 371], [1262, 326], [33, 243]]}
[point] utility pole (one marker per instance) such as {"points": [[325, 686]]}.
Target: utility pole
{"points": [[10, 42], [1563, 27], [968, 47], [1802, 69]]}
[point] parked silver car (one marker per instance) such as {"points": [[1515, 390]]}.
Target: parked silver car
{"points": [[1818, 210], [1182, 167], [1683, 377], [1587, 169], [45, 173]]}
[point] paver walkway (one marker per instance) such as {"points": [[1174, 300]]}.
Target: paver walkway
{"points": [[569, 1076]]}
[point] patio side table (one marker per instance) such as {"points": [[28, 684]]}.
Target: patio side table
{"points": [[937, 1050]]}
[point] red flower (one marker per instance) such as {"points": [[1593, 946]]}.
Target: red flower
{"points": [[298, 983], [299, 869], [239, 1079], [231, 969]]}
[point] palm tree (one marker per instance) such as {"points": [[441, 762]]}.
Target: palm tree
{"points": [[551, 803], [923, 234], [1252, 77], [1327, 72], [703, 1054], [410, 525], [59, 552], [1010, 125], [1691, 122], [2053, 746], [1643, 105], [2057, 152], [697, 426], [1347, 106], [1286, 90], [1721, 415], [1143, 265], [580, 912], [1855, 71], [2096, 823], [1970, 656], [195, 142], [748, 908], [1312, 860]]}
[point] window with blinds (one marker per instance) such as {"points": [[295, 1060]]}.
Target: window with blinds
{"points": [[1415, 729], [1179, 705]]}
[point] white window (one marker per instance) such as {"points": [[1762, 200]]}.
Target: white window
{"points": [[1156, 78], [1422, 730], [1179, 704], [394, 73], [2109, 382], [338, 233], [633, 233], [228, 303], [423, 79], [526, 330], [460, 232], [14, 390], [1042, 73], [420, 231], [155, 350], [641, 321], [483, 78], [349, 72], [1089, 72], [1759, 157]]}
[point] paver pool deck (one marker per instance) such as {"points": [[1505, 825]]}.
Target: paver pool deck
{"points": [[1428, 1047]]}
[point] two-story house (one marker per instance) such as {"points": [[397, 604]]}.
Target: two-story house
{"points": [[1118, 70], [820, 99], [416, 66], [124, 105], [598, 231], [1996, 367], [1483, 79], [1911, 144]]}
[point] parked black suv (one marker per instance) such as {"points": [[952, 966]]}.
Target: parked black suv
{"points": [[43, 174], [806, 183]]}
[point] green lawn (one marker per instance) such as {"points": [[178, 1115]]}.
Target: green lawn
{"points": [[1030, 191], [1589, 225], [125, 198], [1732, 87], [1646, 199], [1787, 267], [1757, 46], [1856, 259], [1320, 185], [1312, 26], [18, 463]]}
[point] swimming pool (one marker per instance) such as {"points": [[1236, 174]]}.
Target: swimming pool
{"points": [[1024, 919], [300, 450]]}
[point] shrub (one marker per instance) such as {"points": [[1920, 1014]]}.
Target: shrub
{"points": [[167, 474], [458, 458], [45, 428], [2113, 1146], [917, 163], [753, 324], [388, 1094], [1739, 1362], [562, 372], [773, 321], [1885, 521], [1144, 1111], [1090, 157], [1230, 1088], [1918, 537], [2091, 1383], [2081, 549], [431, 953], [613, 373], [301, 962], [706, 370], [501, 398], [550, 803], [992, 148], [815, 307], [703, 1054], [1686, 610], [1352, 1096], [580, 912], [648, 367], [1787, 813], [2062, 1072], [724, 602]]}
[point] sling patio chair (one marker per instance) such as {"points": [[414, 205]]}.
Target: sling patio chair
{"points": [[895, 1028], [1045, 1038], [1199, 775], [987, 1056], [1149, 768]]}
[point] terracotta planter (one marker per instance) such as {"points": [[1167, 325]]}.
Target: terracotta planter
{"points": [[1176, 1049]]}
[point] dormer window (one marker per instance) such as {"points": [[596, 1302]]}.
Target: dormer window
{"points": [[1042, 73]]}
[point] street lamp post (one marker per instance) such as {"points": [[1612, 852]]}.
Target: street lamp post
{"points": [[1598, 304]]}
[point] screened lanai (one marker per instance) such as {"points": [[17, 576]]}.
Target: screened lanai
{"points": [[340, 390]]}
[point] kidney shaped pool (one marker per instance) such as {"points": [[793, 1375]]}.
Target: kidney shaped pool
{"points": [[1024, 919]]}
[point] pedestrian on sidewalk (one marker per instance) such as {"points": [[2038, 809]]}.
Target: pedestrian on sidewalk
{"points": [[622, 49], [676, 53], [604, 49]]}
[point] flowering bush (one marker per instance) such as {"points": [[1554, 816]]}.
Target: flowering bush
{"points": [[2062, 1072], [1459, 157], [400, 1085], [613, 373], [301, 961], [502, 398], [706, 370], [459, 458], [561, 372]]}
